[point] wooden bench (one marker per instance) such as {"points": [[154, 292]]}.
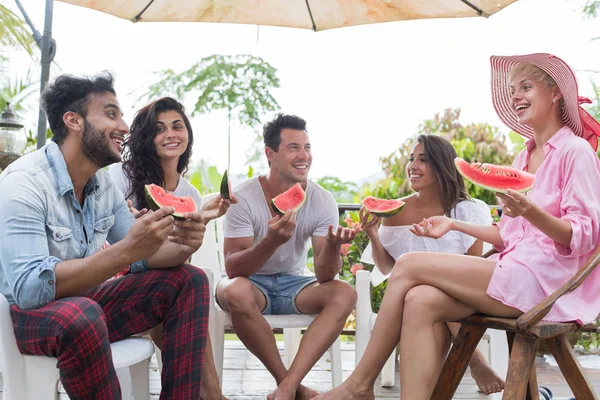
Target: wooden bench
{"points": [[524, 335]]}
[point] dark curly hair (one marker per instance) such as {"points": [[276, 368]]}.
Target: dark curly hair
{"points": [[141, 164], [72, 93], [440, 155]]}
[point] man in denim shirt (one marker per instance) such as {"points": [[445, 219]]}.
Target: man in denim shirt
{"points": [[57, 209]]}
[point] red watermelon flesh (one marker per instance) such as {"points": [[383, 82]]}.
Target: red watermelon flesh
{"points": [[496, 178], [157, 197], [292, 199], [383, 207]]}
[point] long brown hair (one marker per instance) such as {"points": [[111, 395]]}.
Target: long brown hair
{"points": [[440, 155], [141, 164]]}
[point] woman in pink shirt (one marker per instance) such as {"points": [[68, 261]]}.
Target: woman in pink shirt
{"points": [[544, 237]]}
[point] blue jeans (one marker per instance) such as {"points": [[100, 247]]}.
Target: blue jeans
{"points": [[280, 291]]}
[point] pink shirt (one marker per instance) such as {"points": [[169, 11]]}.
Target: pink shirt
{"points": [[531, 266]]}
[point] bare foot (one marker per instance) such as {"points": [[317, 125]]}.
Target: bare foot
{"points": [[343, 392], [282, 393], [486, 378], [305, 393]]}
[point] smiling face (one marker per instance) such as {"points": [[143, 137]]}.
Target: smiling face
{"points": [[172, 136], [104, 130], [535, 98], [293, 158], [418, 169]]}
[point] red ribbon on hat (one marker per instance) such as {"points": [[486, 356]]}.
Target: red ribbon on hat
{"points": [[591, 127]]}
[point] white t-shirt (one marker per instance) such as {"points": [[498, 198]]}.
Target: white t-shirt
{"points": [[397, 240], [184, 188], [251, 215]]}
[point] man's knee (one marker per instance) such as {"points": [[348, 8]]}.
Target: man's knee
{"points": [[238, 294], [343, 297], [195, 275], [82, 317]]}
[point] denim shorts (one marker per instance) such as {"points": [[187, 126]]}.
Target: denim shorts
{"points": [[280, 291]]}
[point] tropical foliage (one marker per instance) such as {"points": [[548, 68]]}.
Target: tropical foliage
{"points": [[474, 142], [240, 85], [13, 33]]}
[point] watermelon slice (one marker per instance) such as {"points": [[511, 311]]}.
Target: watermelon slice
{"points": [[292, 199], [496, 178], [225, 187], [383, 207], [157, 197]]}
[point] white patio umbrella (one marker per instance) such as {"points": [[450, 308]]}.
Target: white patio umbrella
{"points": [[317, 15]]}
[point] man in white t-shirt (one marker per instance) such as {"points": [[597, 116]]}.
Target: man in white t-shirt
{"points": [[265, 259]]}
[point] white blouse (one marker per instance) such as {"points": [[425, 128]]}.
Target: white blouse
{"points": [[398, 240]]}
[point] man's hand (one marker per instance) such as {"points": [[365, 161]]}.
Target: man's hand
{"points": [[281, 228], [148, 233], [340, 235], [216, 207], [189, 232]]}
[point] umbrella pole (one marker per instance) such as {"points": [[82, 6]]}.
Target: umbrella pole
{"points": [[47, 47], [48, 51]]}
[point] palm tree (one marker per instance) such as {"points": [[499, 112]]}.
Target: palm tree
{"points": [[14, 33]]}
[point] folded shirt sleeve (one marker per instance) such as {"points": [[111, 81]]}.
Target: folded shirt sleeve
{"points": [[24, 252], [580, 202]]}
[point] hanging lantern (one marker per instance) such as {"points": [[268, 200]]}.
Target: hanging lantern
{"points": [[10, 132]]}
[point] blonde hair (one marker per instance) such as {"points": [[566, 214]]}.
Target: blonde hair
{"points": [[536, 74]]}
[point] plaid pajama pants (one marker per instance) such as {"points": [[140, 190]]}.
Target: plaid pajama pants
{"points": [[78, 331]]}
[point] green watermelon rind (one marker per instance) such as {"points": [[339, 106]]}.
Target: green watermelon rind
{"points": [[278, 211], [460, 163], [225, 188], [154, 206], [385, 214]]}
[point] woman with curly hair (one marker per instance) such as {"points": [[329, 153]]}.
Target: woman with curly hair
{"points": [[158, 151]]}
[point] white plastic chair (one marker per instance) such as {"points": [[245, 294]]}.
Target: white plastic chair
{"points": [[29, 377], [493, 344], [210, 258]]}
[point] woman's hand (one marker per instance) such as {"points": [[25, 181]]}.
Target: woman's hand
{"points": [[135, 212], [369, 222], [433, 227], [515, 204], [216, 207]]}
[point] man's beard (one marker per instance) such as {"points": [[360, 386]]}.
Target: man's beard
{"points": [[97, 147]]}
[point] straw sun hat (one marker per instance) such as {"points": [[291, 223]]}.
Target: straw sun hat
{"points": [[573, 115]]}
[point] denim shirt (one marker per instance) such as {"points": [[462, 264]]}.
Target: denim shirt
{"points": [[42, 224]]}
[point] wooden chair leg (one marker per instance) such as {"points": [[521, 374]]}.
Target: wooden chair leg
{"points": [[522, 360], [532, 391], [510, 338], [532, 387], [570, 367], [457, 361]]}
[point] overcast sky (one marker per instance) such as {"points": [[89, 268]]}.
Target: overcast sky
{"points": [[363, 90]]}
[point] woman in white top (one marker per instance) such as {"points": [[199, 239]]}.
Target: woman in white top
{"points": [[439, 190], [158, 150]]}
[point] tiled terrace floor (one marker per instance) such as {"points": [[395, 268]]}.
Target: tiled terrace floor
{"points": [[246, 379]]}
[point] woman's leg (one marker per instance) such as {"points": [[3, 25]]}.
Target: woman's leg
{"points": [[443, 340], [463, 278], [485, 377]]}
